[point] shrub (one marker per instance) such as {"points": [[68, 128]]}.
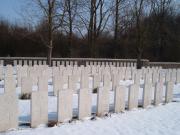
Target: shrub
{"points": [[25, 96], [95, 90], [52, 123]]}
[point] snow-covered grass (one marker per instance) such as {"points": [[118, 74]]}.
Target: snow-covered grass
{"points": [[160, 120]]}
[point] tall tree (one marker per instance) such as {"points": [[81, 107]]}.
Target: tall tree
{"points": [[53, 15], [138, 17], [71, 9], [99, 16], [48, 9]]}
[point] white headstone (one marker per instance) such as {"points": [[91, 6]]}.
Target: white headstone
{"points": [[39, 108], [148, 78], [21, 72], [20, 62], [43, 83], [75, 63], [57, 84], [35, 62], [58, 63], [33, 74], [84, 102], [155, 77], [173, 76], [121, 64], [66, 73], [9, 71], [72, 80], [55, 71], [25, 62], [63, 63], [15, 63], [8, 112], [115, 80], [168, 76], [54, 63], [93, 70], [65, 108], [127, 73], [103, 63], [161, 77], [103, 101], [119, 100], [96, 80], [158, 93], [131, 64], [44, 62], [71, 63], [30, 63], [133, 96], [40, 62], [67, 63], [169, 92], [9, 85], [147, 95], [178, 76], [26, 86], [2, 62], [84, 81], [137, 78], [106, 80], [121, 75], [1, 72]]}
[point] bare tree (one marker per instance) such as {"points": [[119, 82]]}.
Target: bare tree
{"points": [[71, 9], [49, 12], [122, 18], [99, 16], [138, 12], [53, 13]]}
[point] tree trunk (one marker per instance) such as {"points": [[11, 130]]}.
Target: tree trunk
{"points": [[50, 31], [91, 28], [49, 58], [70, 43], [139, 62], [70, 26], [116, 30]]}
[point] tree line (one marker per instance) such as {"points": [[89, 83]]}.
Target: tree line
{"points": [[95, 28]]}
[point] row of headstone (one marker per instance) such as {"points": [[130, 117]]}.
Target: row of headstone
{"points": [[116, 64], [126, 72], [29, 62], [57, 63], [72, 75]]}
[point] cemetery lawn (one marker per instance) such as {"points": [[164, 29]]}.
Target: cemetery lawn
{"points": [[155, 120]]}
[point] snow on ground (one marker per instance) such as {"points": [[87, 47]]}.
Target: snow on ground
{"points": [[160, 120]]}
